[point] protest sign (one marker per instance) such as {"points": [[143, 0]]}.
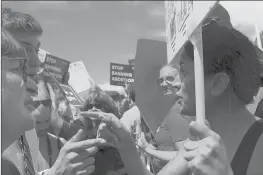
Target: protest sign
{"points": [[78, 73], [56, 67], [120, 74], [71, 95], [42, 55], [182, 18], [184, 22], [154, 106]]}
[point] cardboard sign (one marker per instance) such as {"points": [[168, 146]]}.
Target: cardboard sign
{"points": [[120, 74], [71, 95], [78, 72], [182, 18], [57, 67]]}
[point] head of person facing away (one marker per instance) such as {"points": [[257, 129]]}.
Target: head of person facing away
{"points": [[231, 68], [16, 119]]}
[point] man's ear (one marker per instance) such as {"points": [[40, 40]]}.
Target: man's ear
{"points": [[219, 84]]}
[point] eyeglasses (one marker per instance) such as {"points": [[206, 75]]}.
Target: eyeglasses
{"points": [[22, 66], [97, 106], [46, 103], [168, 80]]}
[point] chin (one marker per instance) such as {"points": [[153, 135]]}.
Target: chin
{"points": [[187, 112], [29, 121], [167, 93]]}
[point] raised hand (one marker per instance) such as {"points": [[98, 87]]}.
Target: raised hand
{"points": [[141, 142], [76, 156], [206, 156], [112, 128]]}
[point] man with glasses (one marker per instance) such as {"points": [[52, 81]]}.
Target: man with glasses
{"points": [[13, 76], [25, 29]]}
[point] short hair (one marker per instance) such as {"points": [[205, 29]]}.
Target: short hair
{"points": [[20, 22], [96, 95], [228, 50], [170, 66], [10, 47]]}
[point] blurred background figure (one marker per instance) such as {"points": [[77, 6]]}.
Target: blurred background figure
{"points": [[163, 148], [107, 158]]}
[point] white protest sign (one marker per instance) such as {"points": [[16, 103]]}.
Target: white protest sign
{"points": [[78, 73], [183, 23], [182, 18]]}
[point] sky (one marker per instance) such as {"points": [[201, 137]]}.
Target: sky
{"points": [[95, 32], [100, 32]]}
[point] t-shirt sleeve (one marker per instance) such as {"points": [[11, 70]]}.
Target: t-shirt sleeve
{"points": [[131, 118]]}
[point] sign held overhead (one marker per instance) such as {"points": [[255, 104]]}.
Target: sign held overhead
{"points": [[121, 74], [57, 67], [182, 18]]}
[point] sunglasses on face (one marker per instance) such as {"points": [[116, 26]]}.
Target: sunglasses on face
{"points": [[22, 67], [168, 80], [97, 106], [46, 103]]}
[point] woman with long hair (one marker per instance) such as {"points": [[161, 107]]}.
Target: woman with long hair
{"points": [[107, 158]]}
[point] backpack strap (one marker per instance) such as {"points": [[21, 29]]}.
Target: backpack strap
{"points": [[246, 148]]}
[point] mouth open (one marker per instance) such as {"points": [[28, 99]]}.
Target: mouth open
{"points": [[166, 90], [31, 91]]}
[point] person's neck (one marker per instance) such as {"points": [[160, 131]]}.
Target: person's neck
{"points": [[229, 118], [226, 111]]}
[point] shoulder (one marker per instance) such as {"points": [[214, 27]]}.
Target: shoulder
{"points": [[255, 166], [133, 113], [134, 109]]}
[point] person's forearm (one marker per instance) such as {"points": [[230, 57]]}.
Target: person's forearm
{"points": [[132, 162], [161, 155]]}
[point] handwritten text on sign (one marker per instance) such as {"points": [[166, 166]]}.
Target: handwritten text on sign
{"points": [[182, 18], [120, 74], [71, 95], [57, 67]]}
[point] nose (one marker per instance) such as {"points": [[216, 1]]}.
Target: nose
{"points": [[33, 63], [163, 83]]}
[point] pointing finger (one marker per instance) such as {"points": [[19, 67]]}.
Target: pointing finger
{"points": [[81, 134], [76, 146]]}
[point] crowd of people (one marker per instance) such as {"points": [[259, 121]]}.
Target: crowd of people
{"points": [[110, 135]]}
